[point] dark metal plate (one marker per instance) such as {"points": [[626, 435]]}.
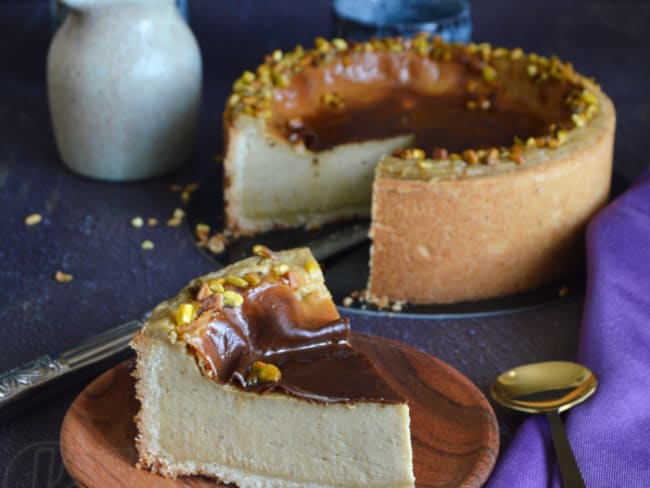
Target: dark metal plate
{"points": [[347, 270]]}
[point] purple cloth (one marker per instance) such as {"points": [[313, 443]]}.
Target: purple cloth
{"points": [[610, 433]]}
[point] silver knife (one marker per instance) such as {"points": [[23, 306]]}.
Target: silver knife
{"points": [[19, 383]]}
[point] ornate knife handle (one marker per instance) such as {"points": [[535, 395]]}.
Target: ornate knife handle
{"points": [[20, 382]]}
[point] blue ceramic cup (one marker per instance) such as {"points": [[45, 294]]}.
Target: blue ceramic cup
{"points": [[360, 20]]}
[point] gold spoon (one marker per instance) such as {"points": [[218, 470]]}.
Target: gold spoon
{"points": [[550, 387]]}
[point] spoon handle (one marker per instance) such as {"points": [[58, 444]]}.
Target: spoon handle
{"points": [[571, 477]]}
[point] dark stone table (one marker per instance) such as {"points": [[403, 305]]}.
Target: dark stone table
{"points": [[86, 230]]}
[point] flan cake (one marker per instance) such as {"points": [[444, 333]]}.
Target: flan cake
{"points": [[492, 160], [248, 377]]}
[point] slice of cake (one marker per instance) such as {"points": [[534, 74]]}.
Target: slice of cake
{"points": [[509, 156], [248, 377]]}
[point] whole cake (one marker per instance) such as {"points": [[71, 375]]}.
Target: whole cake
{"points": [[492, 160], [248, 377]]}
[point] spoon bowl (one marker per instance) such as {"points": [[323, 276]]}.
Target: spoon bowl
{"points": [[550, 388], [544, 387]]}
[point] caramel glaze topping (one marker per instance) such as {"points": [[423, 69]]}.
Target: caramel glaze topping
{"points": [[381, 95], [491, 102], [306, 340], [434, 122]]}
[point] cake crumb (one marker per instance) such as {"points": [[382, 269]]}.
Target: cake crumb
{"points": [[313, 226], [217, 243], [177, 218], [147, 245], [33, 219], [365, 298], [202, 233], [137, 222], [152, 222], [381, 302], [185, 190], [62, 277], [186, 194]]}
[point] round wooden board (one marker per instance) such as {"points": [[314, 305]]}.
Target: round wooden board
{"points": [[454, 430]]}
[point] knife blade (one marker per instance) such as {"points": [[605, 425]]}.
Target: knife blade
{"points": [[19, 383]]}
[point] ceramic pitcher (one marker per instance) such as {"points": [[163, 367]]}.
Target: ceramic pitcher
{"points": [[124, 88]]}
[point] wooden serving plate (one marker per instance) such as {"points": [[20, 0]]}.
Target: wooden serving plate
{"points": [[454, 430]]}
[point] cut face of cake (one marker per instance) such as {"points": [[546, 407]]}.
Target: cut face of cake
{"points": [[509, 155], [248, 377]]}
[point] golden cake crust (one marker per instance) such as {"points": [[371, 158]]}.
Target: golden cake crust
{"points": [[502, 231]]}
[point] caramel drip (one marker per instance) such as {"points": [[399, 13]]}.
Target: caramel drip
{"points": [[315, 358]]}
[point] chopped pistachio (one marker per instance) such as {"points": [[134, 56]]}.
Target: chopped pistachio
{"points": [[516, 53], [578, 120], [62, 277], [236, 281], [232, 299], [340, 44], [517, 154], [489, 73], [185, 313], [312, 267], [263, 251], [137, 222], [33, 219], [281, 269], [216, 285], [252, 279], [414, 153], [202, 231], [470, 156], [264, 373]]}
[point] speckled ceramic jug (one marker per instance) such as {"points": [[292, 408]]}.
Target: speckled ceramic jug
{"points": [[124, 88]]}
